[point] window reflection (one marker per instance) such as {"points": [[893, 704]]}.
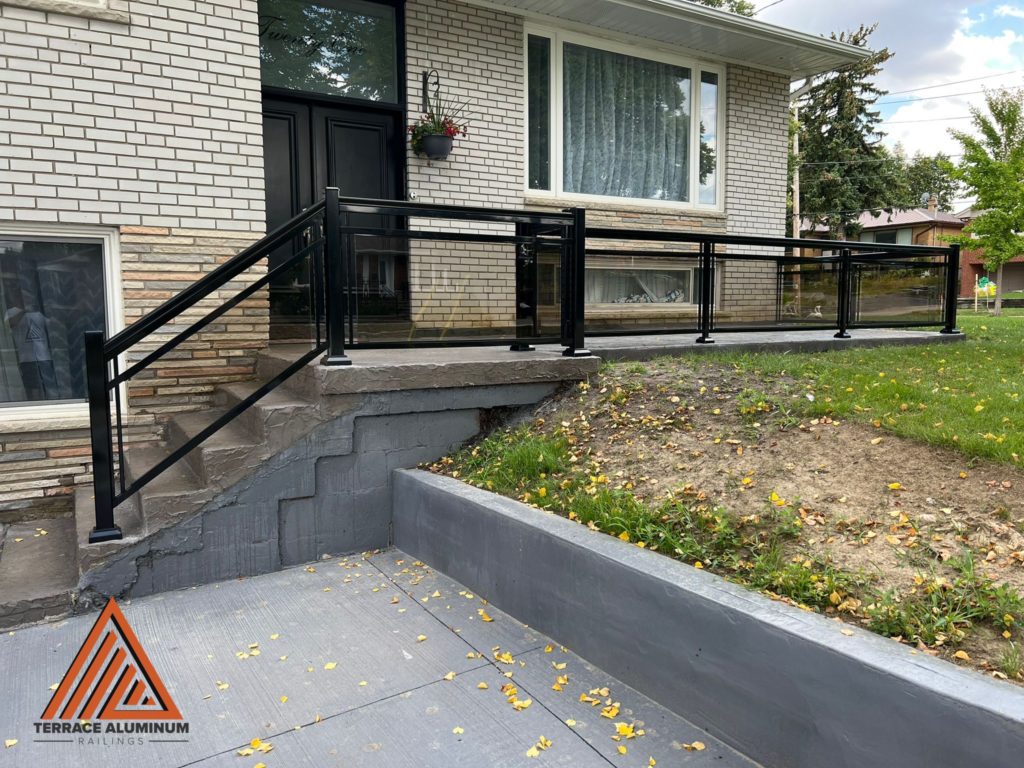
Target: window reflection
{"points": [[708, 194], [51, 293], [339, 47]]}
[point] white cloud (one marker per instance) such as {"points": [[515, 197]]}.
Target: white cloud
{"points": [[980, 55], [953, 40], [1010, 10]]}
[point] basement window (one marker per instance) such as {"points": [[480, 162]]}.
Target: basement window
{"points": [[52, 290]]}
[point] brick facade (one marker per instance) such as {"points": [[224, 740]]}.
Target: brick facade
{"points": [[757, 135], [145, 117]]}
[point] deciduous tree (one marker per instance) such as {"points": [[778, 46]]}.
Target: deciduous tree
{"points": [[992, 168]]}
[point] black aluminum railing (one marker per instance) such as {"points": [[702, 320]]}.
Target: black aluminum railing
{"points": [[383, 273]]}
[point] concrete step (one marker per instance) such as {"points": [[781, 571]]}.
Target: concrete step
{"points": [[172, 496], [222, 459], [38, 571], [127, 516], [277, 420]]}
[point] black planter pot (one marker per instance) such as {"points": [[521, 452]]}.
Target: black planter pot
{"points": [[437, 146]]}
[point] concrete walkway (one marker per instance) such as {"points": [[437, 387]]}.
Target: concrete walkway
{"points": [[364, 650]]}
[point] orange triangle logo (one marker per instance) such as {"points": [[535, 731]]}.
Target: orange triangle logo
{"points": [[111, 678]]}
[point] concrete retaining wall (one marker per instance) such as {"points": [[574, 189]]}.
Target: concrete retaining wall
{"points": [[785, 686]]}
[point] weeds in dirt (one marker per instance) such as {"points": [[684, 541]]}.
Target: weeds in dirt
{"points": [[939, 611], [1011, 662]]}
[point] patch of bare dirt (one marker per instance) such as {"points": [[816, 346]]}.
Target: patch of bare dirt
{"points": [[892, 509]]}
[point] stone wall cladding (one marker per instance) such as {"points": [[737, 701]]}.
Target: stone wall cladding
{"points": [[41, 469], [757, 136]]}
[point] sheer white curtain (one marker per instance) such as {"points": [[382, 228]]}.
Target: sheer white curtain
{"points": [[626, 125]]}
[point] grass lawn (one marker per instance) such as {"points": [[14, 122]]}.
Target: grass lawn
{"points": [[967, 396], [878, 486]]}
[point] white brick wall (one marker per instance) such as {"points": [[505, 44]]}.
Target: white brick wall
{"points": [[153, 123], [479, 56], [757, 132]]}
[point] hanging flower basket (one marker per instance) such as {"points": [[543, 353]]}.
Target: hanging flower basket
{"points": [[437, 146], [434, 133]]}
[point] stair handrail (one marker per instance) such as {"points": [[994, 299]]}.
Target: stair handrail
{"points": [[103, 378]]}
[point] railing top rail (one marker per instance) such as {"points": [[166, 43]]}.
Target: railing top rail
{"points": [[669, 236], [460, 212], [210, 282]]}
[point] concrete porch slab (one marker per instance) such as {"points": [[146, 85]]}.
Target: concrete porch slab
{"points": [[614, 348], [387, 701]]}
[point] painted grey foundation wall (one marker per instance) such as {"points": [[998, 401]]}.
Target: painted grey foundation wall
{"points": [[328, 493], [784, 686]]}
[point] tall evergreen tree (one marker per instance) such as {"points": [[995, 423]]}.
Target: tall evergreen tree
{"points": [[742, 7], [992, 168], [844, 167]]}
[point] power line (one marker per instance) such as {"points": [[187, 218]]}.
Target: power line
{"points": [[858, 162], [765, 7], [954, 82], [925, 98], [927, 120]]}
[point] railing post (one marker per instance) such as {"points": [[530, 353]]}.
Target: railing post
{"points": [[577, 286], [527, 259], [843, 310], [952, 289], [707, 291], [101, 438], [335, 289]]}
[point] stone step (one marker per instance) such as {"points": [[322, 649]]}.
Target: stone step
{"points": [[222, 459], [39, 573], [172, 495], [127, 517], [277, 420]]}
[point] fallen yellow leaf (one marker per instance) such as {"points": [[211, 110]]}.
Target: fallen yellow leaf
{"points": [[962, 655], [482, 686], [420, 638], [697, 746], [457, 730], [450, 676], [8, 743], [330, 665]]}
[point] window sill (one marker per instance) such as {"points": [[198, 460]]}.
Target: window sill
{"points": [[55, 418], [72, 8], [640, 206]]}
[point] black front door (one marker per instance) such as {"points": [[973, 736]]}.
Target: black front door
{"points": [[309, 146]]}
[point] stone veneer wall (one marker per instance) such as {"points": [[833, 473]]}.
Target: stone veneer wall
{"points": [[144, 117]]}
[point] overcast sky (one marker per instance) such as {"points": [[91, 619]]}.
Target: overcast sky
{"points": [[934, 41]]}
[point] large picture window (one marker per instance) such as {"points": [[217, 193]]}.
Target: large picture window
{"points": [[620, 124], [51, 293]]}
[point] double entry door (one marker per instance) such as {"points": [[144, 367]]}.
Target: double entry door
{"points": [[309, 146]]}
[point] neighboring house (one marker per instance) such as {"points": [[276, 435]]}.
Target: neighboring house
{"points": [[972, 266], [142, 143], [911, 226]]}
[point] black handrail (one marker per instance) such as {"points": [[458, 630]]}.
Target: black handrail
{"points": [[331, 241], [204, 286]]}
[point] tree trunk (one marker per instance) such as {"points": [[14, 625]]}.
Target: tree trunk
{"points": [[998, 308]]}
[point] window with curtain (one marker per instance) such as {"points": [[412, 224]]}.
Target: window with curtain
{"points": [[620, 125]]}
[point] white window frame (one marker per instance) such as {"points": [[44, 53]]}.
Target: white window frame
{"points": [[110, 241], [558, 37]]}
